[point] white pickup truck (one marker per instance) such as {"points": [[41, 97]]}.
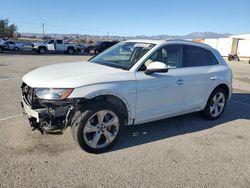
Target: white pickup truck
{"points": [[54, 45]]}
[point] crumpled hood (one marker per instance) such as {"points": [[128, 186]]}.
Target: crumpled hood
{"points": [[72, 75]]}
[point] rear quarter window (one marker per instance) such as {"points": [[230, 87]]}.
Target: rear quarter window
{"points": [[196, 56]]}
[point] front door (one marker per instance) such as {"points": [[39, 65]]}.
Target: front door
{"points": [[160, 94], [51, 45], [11, 45]]}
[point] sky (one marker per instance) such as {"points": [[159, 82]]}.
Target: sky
{"points": [[128, 17]]}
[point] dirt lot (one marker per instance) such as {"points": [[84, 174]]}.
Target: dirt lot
{"points": [[185, 151]]}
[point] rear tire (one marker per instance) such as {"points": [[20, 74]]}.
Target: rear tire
{"points": [[98, 127], [70, 51], [215, 105], [1, 49]]}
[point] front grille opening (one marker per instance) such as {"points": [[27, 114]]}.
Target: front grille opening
{"points": [[30, 96]]}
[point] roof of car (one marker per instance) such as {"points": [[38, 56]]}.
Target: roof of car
{"points": [[147, 41], [170, 41]]}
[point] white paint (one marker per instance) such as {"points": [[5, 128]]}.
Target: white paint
{"points": [[6, 79], [147, 97], [244, 48], [11, 117], [242, 36], [224, 46], [211, 42]]}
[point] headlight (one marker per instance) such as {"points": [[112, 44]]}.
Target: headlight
{"points": [[53, 94]]}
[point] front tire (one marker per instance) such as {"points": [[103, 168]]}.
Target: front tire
{"points": [[16, 49], [42, 50], [97, 128], [215, 105], [97, 52], [1, 49]]}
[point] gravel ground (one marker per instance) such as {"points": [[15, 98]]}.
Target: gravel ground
{"points": [[185, 151]]}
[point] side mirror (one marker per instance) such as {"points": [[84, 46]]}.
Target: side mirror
{"points": [[156, 67]]}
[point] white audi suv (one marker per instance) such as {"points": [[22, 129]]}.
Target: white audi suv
{"points": [[133, 82]]}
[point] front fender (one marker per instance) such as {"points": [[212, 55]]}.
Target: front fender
{"points": [[126, 91]]}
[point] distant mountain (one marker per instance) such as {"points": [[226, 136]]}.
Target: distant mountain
{"points": [[195, 35], [206, 35]]}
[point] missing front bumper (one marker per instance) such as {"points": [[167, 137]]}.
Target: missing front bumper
{"points": [[48, 119]]}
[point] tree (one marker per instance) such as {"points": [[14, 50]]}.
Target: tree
{"points": [[6, 30]]}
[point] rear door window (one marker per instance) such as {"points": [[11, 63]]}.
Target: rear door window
{"points": [[195, 56], [59, 41]]}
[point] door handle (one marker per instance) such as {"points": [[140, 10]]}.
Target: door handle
{"points": [[213, 77], [180, 82]]}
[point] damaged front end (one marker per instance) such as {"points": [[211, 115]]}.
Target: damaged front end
{"points": [[47, 115]]}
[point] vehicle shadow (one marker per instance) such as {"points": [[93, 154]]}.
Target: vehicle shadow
{"points": [[237, 108]]}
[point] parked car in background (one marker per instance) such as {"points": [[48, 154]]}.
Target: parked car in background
{"points": [[88, 48], [80, 48], [54, 45], [133, 82], [2, 45], [101, 46], [12, 45]]}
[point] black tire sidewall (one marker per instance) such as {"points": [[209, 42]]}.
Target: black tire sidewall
{"points": [[206, 112], [97, 52], [81, 119], [71, 51], [1, 49], [41, 51]]}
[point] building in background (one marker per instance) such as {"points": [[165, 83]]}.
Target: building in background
{"points": [[235, 44]]}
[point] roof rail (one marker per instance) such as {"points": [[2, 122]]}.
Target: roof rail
{"points": [[188, 41], [176, 40]]}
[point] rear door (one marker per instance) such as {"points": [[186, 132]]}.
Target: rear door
{"points": [[198, 65], [59, 45]]}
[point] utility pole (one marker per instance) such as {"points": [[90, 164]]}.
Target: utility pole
{"points": [[108, 35], [43, 29]]}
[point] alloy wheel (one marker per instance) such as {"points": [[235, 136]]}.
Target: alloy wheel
{"points": [[217, 104], [101, 129]]}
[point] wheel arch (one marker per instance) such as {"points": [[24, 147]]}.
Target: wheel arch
{"points": [[114, 99], [225, 87], [70, 47], [45, 47]]}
